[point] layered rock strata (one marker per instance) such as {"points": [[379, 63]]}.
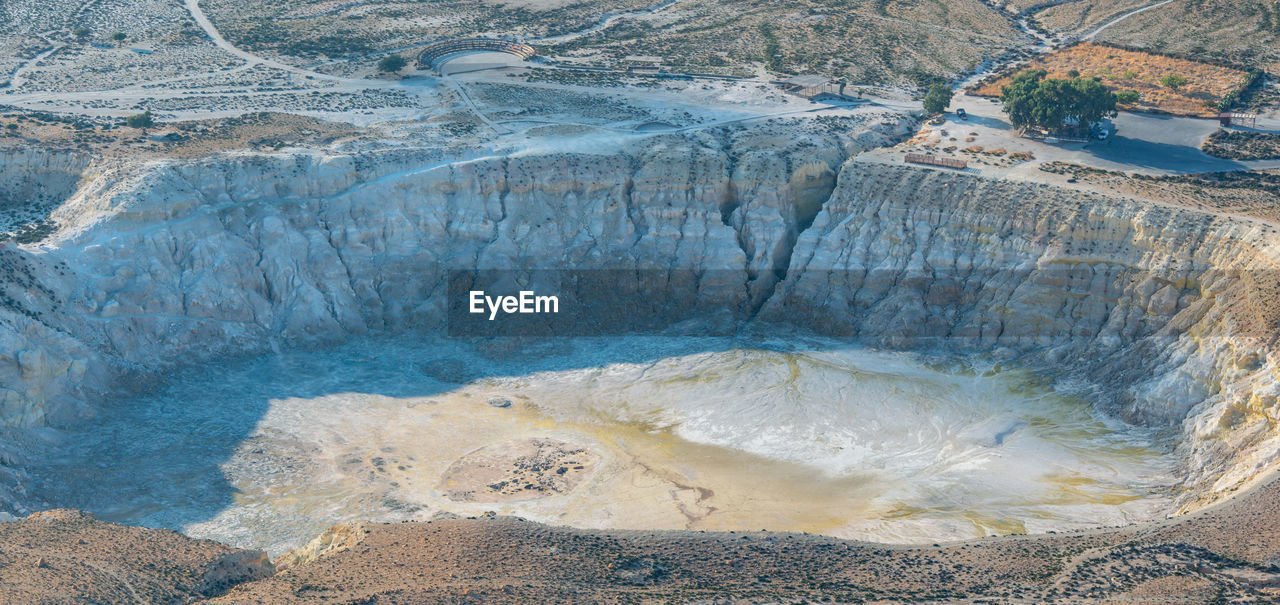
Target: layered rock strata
{"points": [[1170, 312]]}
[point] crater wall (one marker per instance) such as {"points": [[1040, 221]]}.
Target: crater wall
{"points": [[1170, 312]]}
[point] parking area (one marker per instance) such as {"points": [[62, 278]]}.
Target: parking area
{"points": [[1151, 144]]}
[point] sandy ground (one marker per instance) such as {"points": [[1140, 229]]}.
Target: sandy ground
{"points": [[1226, 553], [846, 443], [61, 556]]}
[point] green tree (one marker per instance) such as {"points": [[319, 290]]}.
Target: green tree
{"points": [[119, 37], [1127, 97], [391, 64], [1018, 98], [937, 99], [142, 120], [1089, 101], [80, 32], [1030, 99], [1173, 81]]}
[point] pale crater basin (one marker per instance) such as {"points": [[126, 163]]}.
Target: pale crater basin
{"points": [[629, 432]]}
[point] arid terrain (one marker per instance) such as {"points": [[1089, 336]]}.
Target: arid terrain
{"points": [[1242, 31], [1244, 193], [1140, 72], [1243, 145], [820, 343], [1225, 554], [1209, 556], [890, 40]]}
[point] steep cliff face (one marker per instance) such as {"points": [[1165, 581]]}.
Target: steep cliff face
{"points": [[35, 177], [1168, 310], [1173, 313], [38, 362], [1115, 287], [170, 263]]}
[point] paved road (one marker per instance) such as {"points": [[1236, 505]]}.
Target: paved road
{"points": [[1166, 144], [1144, 143]]}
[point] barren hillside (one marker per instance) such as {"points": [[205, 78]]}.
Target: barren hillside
{"points": [[857, 40], [1242, 31]]}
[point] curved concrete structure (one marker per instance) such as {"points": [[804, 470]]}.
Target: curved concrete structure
{"points": [[432, 55]]}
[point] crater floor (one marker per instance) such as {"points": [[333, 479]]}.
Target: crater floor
{"points": [[621, 433]]}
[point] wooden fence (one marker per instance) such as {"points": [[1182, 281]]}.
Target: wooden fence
{"points": [[915, 158]]}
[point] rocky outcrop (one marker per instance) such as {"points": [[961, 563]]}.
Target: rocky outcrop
{"points": [[35, 176], [336, 539], [1170, 312]]}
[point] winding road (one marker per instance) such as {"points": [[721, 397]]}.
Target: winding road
{"points": [[193, 7], [16, 80], [1141, 9]]}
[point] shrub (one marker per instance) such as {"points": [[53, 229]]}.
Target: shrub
{"points": [[938, 98], [141, 120], [772, 48], [1251, 82], [391, 64], [1173, 81]]}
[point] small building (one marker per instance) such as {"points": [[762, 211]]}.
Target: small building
{"points": [[643, 64], [1228, 118], [810, 86], [642, 60]]}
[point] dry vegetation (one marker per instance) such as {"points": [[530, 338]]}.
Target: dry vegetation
{"points": [[1140, 72], [1253, 194], [857, 40], [854, 40], [63, 556], [1242, 31], [1243, 145], [110, 138], [1083, 16], [1224, 554]]}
